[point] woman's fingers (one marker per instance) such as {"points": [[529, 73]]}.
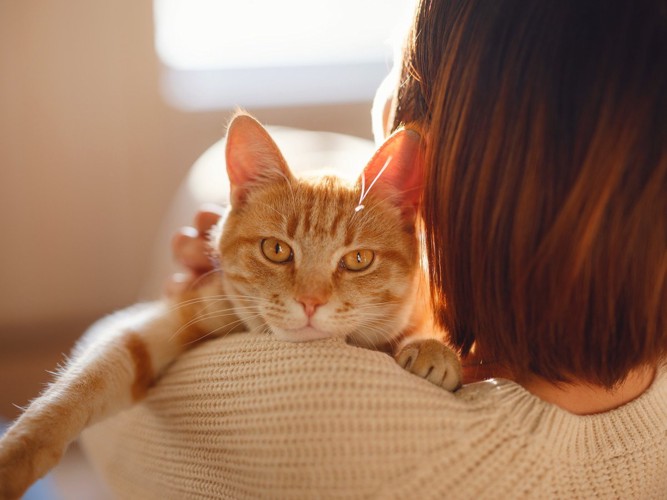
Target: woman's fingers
{"points": [[207, 217], [191, 249]]}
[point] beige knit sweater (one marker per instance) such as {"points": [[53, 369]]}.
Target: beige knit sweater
{"points": [[251, 417]]}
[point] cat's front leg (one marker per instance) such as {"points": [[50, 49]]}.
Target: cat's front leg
{"points": [[27, 452], [432, 360], [111, 368]]}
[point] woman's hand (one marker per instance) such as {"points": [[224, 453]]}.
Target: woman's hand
{"points": [[190, 248]]}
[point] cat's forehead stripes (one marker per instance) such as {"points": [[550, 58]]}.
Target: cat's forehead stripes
{"points": [[308, 213], [322, 208], [336, 220]]}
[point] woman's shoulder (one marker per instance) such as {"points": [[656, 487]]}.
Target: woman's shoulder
{"points": [[293, 417], [254, 416], [345, 388], [327, 375]]}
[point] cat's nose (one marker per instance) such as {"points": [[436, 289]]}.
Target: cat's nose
{"points": [[310, 304]]}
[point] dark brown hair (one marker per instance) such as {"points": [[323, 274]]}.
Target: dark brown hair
{"points": [[546, 192]]}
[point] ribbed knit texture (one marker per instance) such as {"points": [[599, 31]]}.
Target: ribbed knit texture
{"points": [[250, 417]]}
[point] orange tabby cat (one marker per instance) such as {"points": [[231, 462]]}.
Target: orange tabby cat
{"points": [[301, 259]]}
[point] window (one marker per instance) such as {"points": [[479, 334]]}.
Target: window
{"points": [[253, 53]]}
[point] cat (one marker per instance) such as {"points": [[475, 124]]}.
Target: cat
{"points": [[303, 259]]}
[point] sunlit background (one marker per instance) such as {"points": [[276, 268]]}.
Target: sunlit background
{"points": [[104, 106], [266, 53]]}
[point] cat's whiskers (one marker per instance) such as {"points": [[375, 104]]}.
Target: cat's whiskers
{"points": [[213, 315], [368, 329], [230, 326], [367, 336], [373, 305], [359, 315], [378, 322], [207, 305], [218, 298], [356, 319], [207, 315]]}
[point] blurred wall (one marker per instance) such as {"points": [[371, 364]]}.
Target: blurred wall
{"points": [[90, 156]]}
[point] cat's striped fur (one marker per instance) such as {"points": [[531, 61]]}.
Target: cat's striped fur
{"points": [[351, 269]]}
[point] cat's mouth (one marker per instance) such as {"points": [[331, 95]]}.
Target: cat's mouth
{"points": [[304, 334]]}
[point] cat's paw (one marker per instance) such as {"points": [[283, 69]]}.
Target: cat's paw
{"points": [[432, 360], [23, 460]]}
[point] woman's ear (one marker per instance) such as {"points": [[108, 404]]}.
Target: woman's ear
{"points": [[396, 171], [252, 157]]}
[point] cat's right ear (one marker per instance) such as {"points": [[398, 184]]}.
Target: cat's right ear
{"points": [[396, 171], [252, 158]]}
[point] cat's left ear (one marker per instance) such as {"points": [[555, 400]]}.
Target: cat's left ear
{"points": [[253, 158], [396, 171]]}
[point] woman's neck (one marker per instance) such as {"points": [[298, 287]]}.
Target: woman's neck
{"points": [[579, 398], [585, 399]]}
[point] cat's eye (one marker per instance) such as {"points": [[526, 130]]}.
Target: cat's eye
{"points": [[276, 250], [357, 260]]}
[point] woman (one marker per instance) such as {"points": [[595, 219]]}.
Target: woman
{"points": [[544, 207]]}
